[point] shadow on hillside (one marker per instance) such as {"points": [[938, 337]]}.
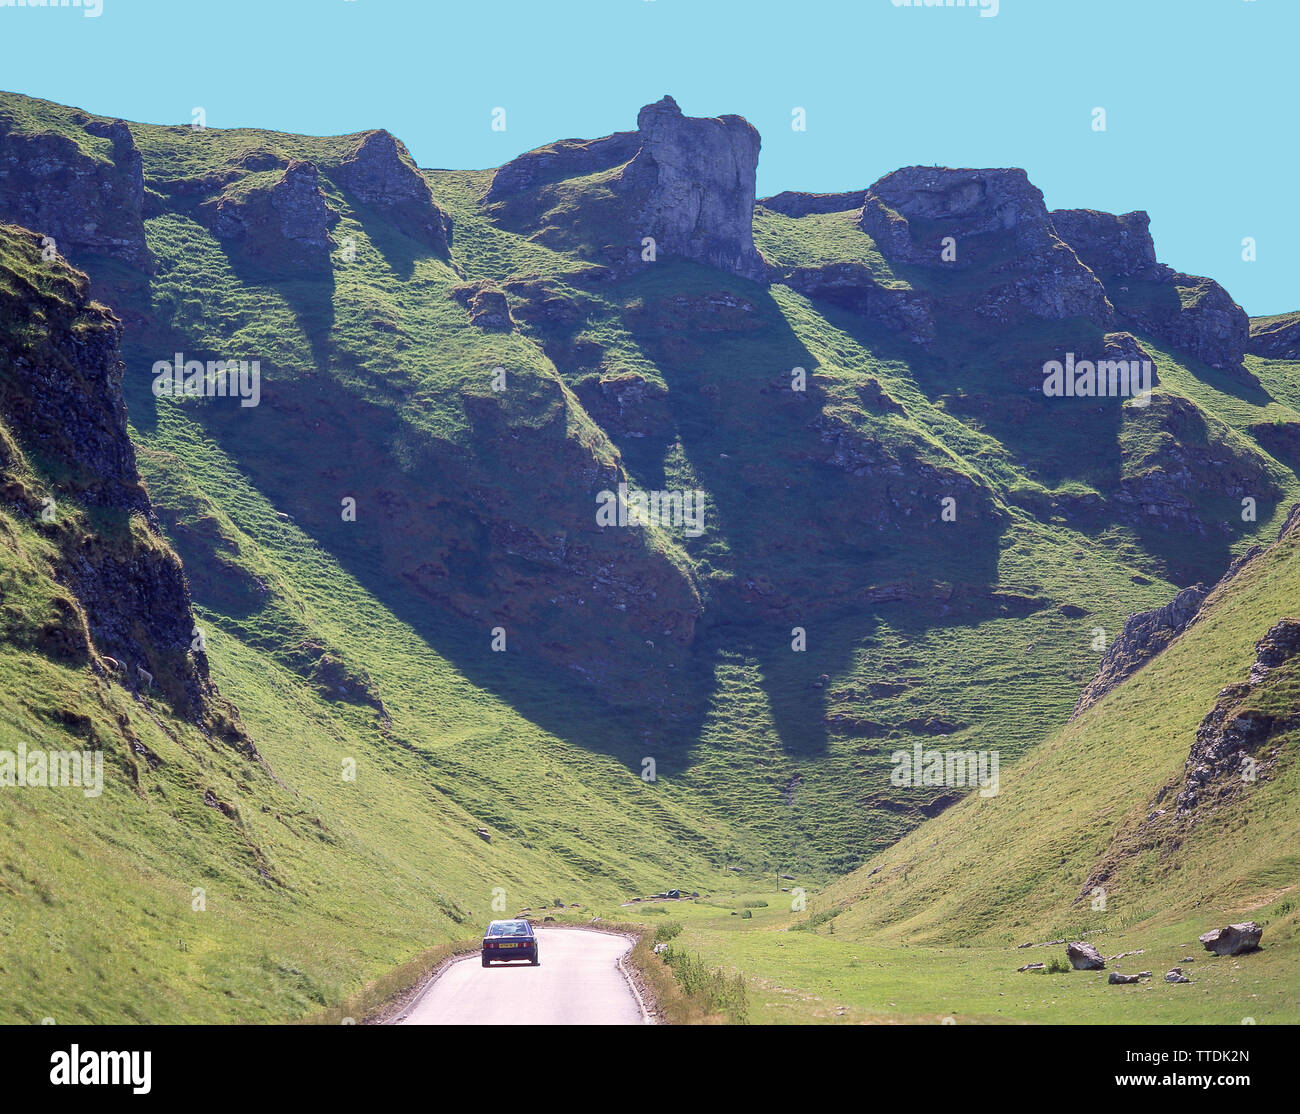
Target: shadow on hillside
{"points": [[313, 443], [309, 291], [808, 537], [399, 250]]}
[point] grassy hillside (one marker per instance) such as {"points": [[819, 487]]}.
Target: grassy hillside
{"points": [[370, 638], [932, 927]]}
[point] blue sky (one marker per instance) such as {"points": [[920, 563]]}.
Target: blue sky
{"points": [[1199, 94]]}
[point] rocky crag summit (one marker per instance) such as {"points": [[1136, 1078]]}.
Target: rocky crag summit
{"points": [[686, 183]]}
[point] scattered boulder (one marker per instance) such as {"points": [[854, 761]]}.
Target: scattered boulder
{"points": [[1116, 979], [484, 835], [1084, 957], [1033, 967], [1234, 939], [1176, 975]]}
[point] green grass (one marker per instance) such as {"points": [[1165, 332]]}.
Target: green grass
{"points": [[377, 387]]}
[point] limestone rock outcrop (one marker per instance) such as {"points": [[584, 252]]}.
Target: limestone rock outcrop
{"points": [[1277, 337], [792, 203], [1193, 314], [88, 196], [61, 410], [693, 181], [380, 173], [994, 221], [852, 287], [685, 182], [287, 222]]}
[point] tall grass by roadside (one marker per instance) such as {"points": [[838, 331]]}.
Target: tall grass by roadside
{"points": [[370, 1002], [685, 990]]}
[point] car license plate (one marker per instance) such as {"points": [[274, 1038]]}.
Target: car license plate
{"points": [[507, 945]]}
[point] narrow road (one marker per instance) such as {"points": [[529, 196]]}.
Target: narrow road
{"points": [[578, 983]]}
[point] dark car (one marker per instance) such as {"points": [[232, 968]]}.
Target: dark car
{"points": [[509, 940]]}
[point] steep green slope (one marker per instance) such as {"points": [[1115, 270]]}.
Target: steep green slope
{"points": [[201, 880], [1165, 810], [1077, 811]]}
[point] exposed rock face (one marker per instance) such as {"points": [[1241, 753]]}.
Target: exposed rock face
{"points": [[1232, 746], [851, 286], [1193, 314], [488, 306], [1084, 957], [1161, 488], [61, 400], [65, 396], [90, 205], [1277, 338], [1144, 635], [1109, 244], [794, 204], [627, 404], [1200, 318], [1125, 346], [569, 158], [686, 182], [381, 173], [287, 222], [962, 202], [1000, 224], [1233, 940], [693, 182], [1280, 645]]}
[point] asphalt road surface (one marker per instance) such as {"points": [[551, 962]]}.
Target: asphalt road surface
{"points": [[578, 983]]}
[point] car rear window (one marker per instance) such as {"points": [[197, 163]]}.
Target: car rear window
{"points": [[510, 928]]}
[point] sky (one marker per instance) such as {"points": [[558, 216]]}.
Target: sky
{"points": [[1199, 95]]}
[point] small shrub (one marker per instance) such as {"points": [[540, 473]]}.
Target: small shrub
{"points": [[669, 931]]}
